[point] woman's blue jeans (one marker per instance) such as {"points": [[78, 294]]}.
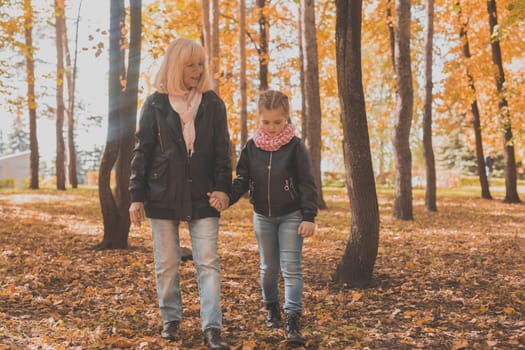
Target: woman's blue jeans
{"points": [[166, 245], [280, 247]]}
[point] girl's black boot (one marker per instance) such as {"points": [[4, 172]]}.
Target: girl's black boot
{"points": [[293, 329], [273, 315]]}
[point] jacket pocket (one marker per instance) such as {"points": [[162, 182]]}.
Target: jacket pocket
{"points": [[158, 179]]}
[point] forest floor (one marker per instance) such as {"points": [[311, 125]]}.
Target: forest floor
{"points": [[451, 279]]}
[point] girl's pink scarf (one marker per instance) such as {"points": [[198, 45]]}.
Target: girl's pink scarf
{"points": [[273, 143]]}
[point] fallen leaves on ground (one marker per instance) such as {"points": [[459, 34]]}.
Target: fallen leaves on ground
{"points": [[452, 279]]}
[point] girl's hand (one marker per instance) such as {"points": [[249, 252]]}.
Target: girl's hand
{"points": [[306, 229]]}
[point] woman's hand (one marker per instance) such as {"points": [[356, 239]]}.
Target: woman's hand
{"points": [[219, 200], [306, 229], [136, 213]]}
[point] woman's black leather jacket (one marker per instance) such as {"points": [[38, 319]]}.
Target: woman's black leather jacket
{"points": [[171, 184], [279, 182]]}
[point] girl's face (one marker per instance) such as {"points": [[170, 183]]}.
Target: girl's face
{"points": [[272, 121], [192, 73]]}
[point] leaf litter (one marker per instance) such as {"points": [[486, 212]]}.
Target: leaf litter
{"points": [[451, 279]]}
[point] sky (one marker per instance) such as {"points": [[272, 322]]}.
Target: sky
{"points": [[91, 89]]}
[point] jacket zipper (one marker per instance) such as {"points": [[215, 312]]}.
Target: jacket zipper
{"points": [[269, 171], [288, 187], [160, 138]]}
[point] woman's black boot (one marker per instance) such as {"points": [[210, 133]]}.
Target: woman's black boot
{"points": [[273, 315], [293, 329], [213, 339]]}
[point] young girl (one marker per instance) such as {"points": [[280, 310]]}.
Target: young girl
{"points": [[274, 167]]}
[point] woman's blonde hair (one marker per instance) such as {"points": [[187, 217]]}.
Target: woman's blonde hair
{"points": [[273, 99], [169, 77]]}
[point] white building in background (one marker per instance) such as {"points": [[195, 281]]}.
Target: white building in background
{"points": [[16, 166]]}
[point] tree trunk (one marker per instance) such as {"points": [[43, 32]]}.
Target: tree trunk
{"points": [[391, 33], [404, 105], [428, 152], [215, 35], [242, 73], [71, 70], [206, 28], [357, 264], [476, 119], [312, 99], [121, 126], [264, 57], [304, 122], [60, 147], [31, 101], [115, 232], [511, 183], [128, 114]]}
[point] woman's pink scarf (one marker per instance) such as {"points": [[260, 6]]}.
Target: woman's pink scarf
{"points": [[273, 143], [187, 107]]}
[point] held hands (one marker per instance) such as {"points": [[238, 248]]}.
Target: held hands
{"points": [[219, 200], [306, 229], [136, 213]]}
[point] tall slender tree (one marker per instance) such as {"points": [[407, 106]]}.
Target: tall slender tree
{"points": [[60, 109], [304, 123], [262, 49], [391, 33], [511, 183], [71, 75], [311, 89], [31, 101], [404, 104], [122, 119], [428, 151], [357, 264], [242, 72], [474, 109], [215, 44], [206, 28]]}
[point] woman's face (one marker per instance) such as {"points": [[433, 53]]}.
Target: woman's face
{"points": [[192, 73], [272, 121]]}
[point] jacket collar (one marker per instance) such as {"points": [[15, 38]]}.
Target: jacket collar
{"points": [[161, 102]]}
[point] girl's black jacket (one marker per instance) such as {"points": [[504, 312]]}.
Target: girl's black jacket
{"points": [[279, 182], [171, 184]]}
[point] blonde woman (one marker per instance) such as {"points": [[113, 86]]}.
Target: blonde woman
{"points": [[181, 157]]}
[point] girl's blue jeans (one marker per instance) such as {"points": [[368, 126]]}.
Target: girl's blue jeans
{"points": [[280, 248]]}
